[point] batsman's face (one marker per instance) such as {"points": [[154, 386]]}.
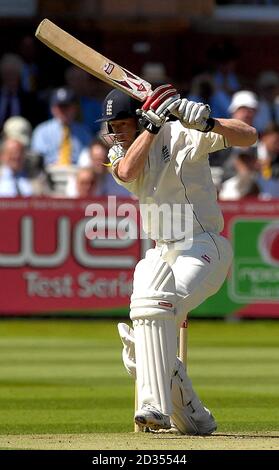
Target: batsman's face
{"points": [[125, 130]]}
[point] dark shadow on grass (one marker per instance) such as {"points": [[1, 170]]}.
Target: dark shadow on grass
{"points": [[250, 436], [215, 436]]}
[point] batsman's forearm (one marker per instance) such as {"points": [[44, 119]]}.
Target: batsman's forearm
{"points": [[236, 132], [130, 167]]}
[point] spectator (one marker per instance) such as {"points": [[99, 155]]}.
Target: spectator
{"points": [[13, 100], [14, 180], [30, 69], [61, 139], [18, 128], [243, 106], [268, 153], [89, 107], [268, 109], [225, 57], [244, 183], [96, 157], [203, 90], [84, 185]]}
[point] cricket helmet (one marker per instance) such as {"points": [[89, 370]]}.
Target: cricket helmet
{"points": [[118, 105]]}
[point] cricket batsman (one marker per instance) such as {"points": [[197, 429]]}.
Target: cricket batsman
{"points": [[165, 162]]}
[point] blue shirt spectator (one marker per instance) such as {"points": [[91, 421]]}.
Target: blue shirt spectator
{"points": [[14, 179], [203, 90], [49, 137], [14, 185]]}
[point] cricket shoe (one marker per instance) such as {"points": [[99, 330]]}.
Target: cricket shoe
{"points": [[195, 422], [189, 415], [172, 430], [152, 418], [206, 425]]}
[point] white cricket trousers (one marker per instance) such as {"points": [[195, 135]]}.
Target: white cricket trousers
{"points": [[199, 271]]}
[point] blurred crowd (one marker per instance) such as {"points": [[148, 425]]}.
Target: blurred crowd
{"points": [[52, 145], [248, 2]]}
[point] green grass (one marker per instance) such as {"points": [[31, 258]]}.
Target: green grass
{"points": [[66, 376]]}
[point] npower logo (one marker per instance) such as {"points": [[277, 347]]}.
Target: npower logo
{"points": [[268, 244], [255, 270]]}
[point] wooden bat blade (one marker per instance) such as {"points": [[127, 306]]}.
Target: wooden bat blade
{"points": [[91, 61]]}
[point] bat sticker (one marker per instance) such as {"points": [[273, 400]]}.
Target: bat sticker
{"points": [[108, 68]]}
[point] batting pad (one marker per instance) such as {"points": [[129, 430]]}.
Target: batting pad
{"points": [[189, 414], [155, 341]]}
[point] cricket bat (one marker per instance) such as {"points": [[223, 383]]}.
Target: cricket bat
{"points": [[91, 61]]}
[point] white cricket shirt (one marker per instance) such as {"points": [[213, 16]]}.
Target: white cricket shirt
{"points": [[177, 172]]}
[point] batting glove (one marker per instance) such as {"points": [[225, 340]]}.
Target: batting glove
{"points": [[163, 101], [194, 115]]}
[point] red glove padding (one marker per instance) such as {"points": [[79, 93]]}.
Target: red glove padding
{"points": [[159, 96]]}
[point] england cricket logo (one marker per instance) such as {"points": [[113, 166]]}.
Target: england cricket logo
{"points": [[109, 108]]}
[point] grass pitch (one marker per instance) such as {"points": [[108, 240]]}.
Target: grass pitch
{"points": [[63, 386]]}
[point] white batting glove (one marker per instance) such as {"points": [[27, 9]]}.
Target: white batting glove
{"points": [[194, 115], [126, 334], [157, 107]]}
